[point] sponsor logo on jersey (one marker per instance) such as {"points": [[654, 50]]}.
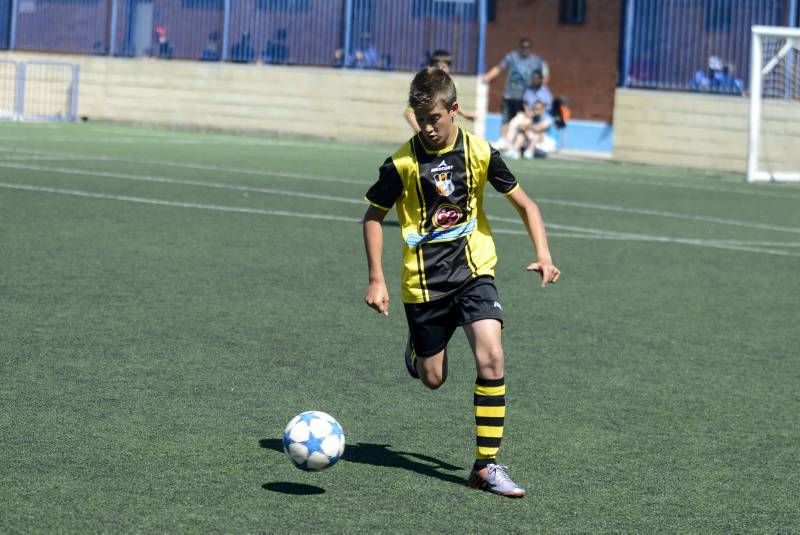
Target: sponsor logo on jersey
{"points": [[442, 167], [444, 183], [442, 234], [446, 216]]}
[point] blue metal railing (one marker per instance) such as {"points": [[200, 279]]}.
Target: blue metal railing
{"points": [[694, 45], [364, 34]]}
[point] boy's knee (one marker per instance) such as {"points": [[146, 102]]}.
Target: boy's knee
{"points": [[433, 380], [492, 363]]}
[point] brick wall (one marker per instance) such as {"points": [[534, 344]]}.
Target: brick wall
{"points": [[583, 58]]}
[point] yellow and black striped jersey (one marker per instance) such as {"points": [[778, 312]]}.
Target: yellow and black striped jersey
{"points": [[439, 199]]}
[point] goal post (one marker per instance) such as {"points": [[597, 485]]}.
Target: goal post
{"points": [[774, 131]]}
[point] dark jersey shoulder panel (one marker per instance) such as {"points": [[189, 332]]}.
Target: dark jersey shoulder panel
{"points": [[499, 175], [388, 188]]}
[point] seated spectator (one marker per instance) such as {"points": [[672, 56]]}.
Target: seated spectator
{"points": [[537, 91], [276, 51], [440, 59], [243, 52], [529, 130], [211, 50], [718, 78], [365, 56]]}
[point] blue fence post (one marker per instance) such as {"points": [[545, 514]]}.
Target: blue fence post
{"points": [[12, 38], [482, 20], [630, 12], [226, 30], [112, 46], [76, 70], [793, 14], [348, 30], [19, 96]]}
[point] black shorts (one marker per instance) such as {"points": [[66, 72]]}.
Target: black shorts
{"points": [[432, 324], [511, 107]]}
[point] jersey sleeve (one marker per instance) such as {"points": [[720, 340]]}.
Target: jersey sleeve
{"points": [[383, 193], [498, 174]]}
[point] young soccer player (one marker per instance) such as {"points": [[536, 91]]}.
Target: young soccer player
{"points": [[436, 180]]}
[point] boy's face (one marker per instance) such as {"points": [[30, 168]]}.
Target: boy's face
{"points": [[437, 125]]}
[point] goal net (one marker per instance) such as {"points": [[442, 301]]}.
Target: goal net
{"points": [[774, 137]]}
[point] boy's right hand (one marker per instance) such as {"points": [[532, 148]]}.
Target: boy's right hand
{"points": [[377, 297]]}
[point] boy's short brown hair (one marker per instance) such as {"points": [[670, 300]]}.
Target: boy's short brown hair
{"points": [[431, 86]]}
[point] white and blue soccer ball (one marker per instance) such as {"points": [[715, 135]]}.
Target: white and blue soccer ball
{"points": [[313, 440]]}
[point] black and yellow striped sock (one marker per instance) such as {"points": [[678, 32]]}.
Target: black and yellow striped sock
{"points": [[490, 413]]}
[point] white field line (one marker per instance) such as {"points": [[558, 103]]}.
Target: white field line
{"points": [[759, 243], [673, 215], [300, 176], [747, 190], [166, 137], [273, 191], [178, 204], [223, 169], [186, 182], [750, 190], [713, 244], [261, 211], [34, 158], [176, 138], [108, 141]]}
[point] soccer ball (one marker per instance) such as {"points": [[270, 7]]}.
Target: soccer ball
{"points": [[313, 440]]}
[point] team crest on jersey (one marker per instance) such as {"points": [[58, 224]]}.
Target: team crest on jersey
{"points": [[443, 178], [446, 216], [444, 183]]}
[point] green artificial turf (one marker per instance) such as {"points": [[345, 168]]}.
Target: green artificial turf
{"points": [[169, 300]]}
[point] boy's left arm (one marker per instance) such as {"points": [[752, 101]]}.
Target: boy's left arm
{"points": [[532, 218]]}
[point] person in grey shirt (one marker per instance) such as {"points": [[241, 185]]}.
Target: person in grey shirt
{"points": [[520, 65]]}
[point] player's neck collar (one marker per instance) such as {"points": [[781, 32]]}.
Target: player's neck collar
{"points": [[443, 150]]}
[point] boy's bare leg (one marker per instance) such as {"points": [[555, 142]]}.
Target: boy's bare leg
{"points": [[433, 370], [485, 340]]}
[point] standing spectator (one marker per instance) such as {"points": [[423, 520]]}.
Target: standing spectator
{"points": [[520, 65], [163, 48]]}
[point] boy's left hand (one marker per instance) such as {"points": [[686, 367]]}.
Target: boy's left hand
{"points": [[548, 271]]}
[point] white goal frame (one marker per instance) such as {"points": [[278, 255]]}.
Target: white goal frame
{"points": [[757, 70]]}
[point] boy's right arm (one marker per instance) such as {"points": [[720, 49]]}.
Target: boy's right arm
{"points": [[377, 295], [411, 119]]}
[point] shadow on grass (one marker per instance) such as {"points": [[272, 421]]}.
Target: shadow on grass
{"points": [[382, 455], [292, 488]]}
